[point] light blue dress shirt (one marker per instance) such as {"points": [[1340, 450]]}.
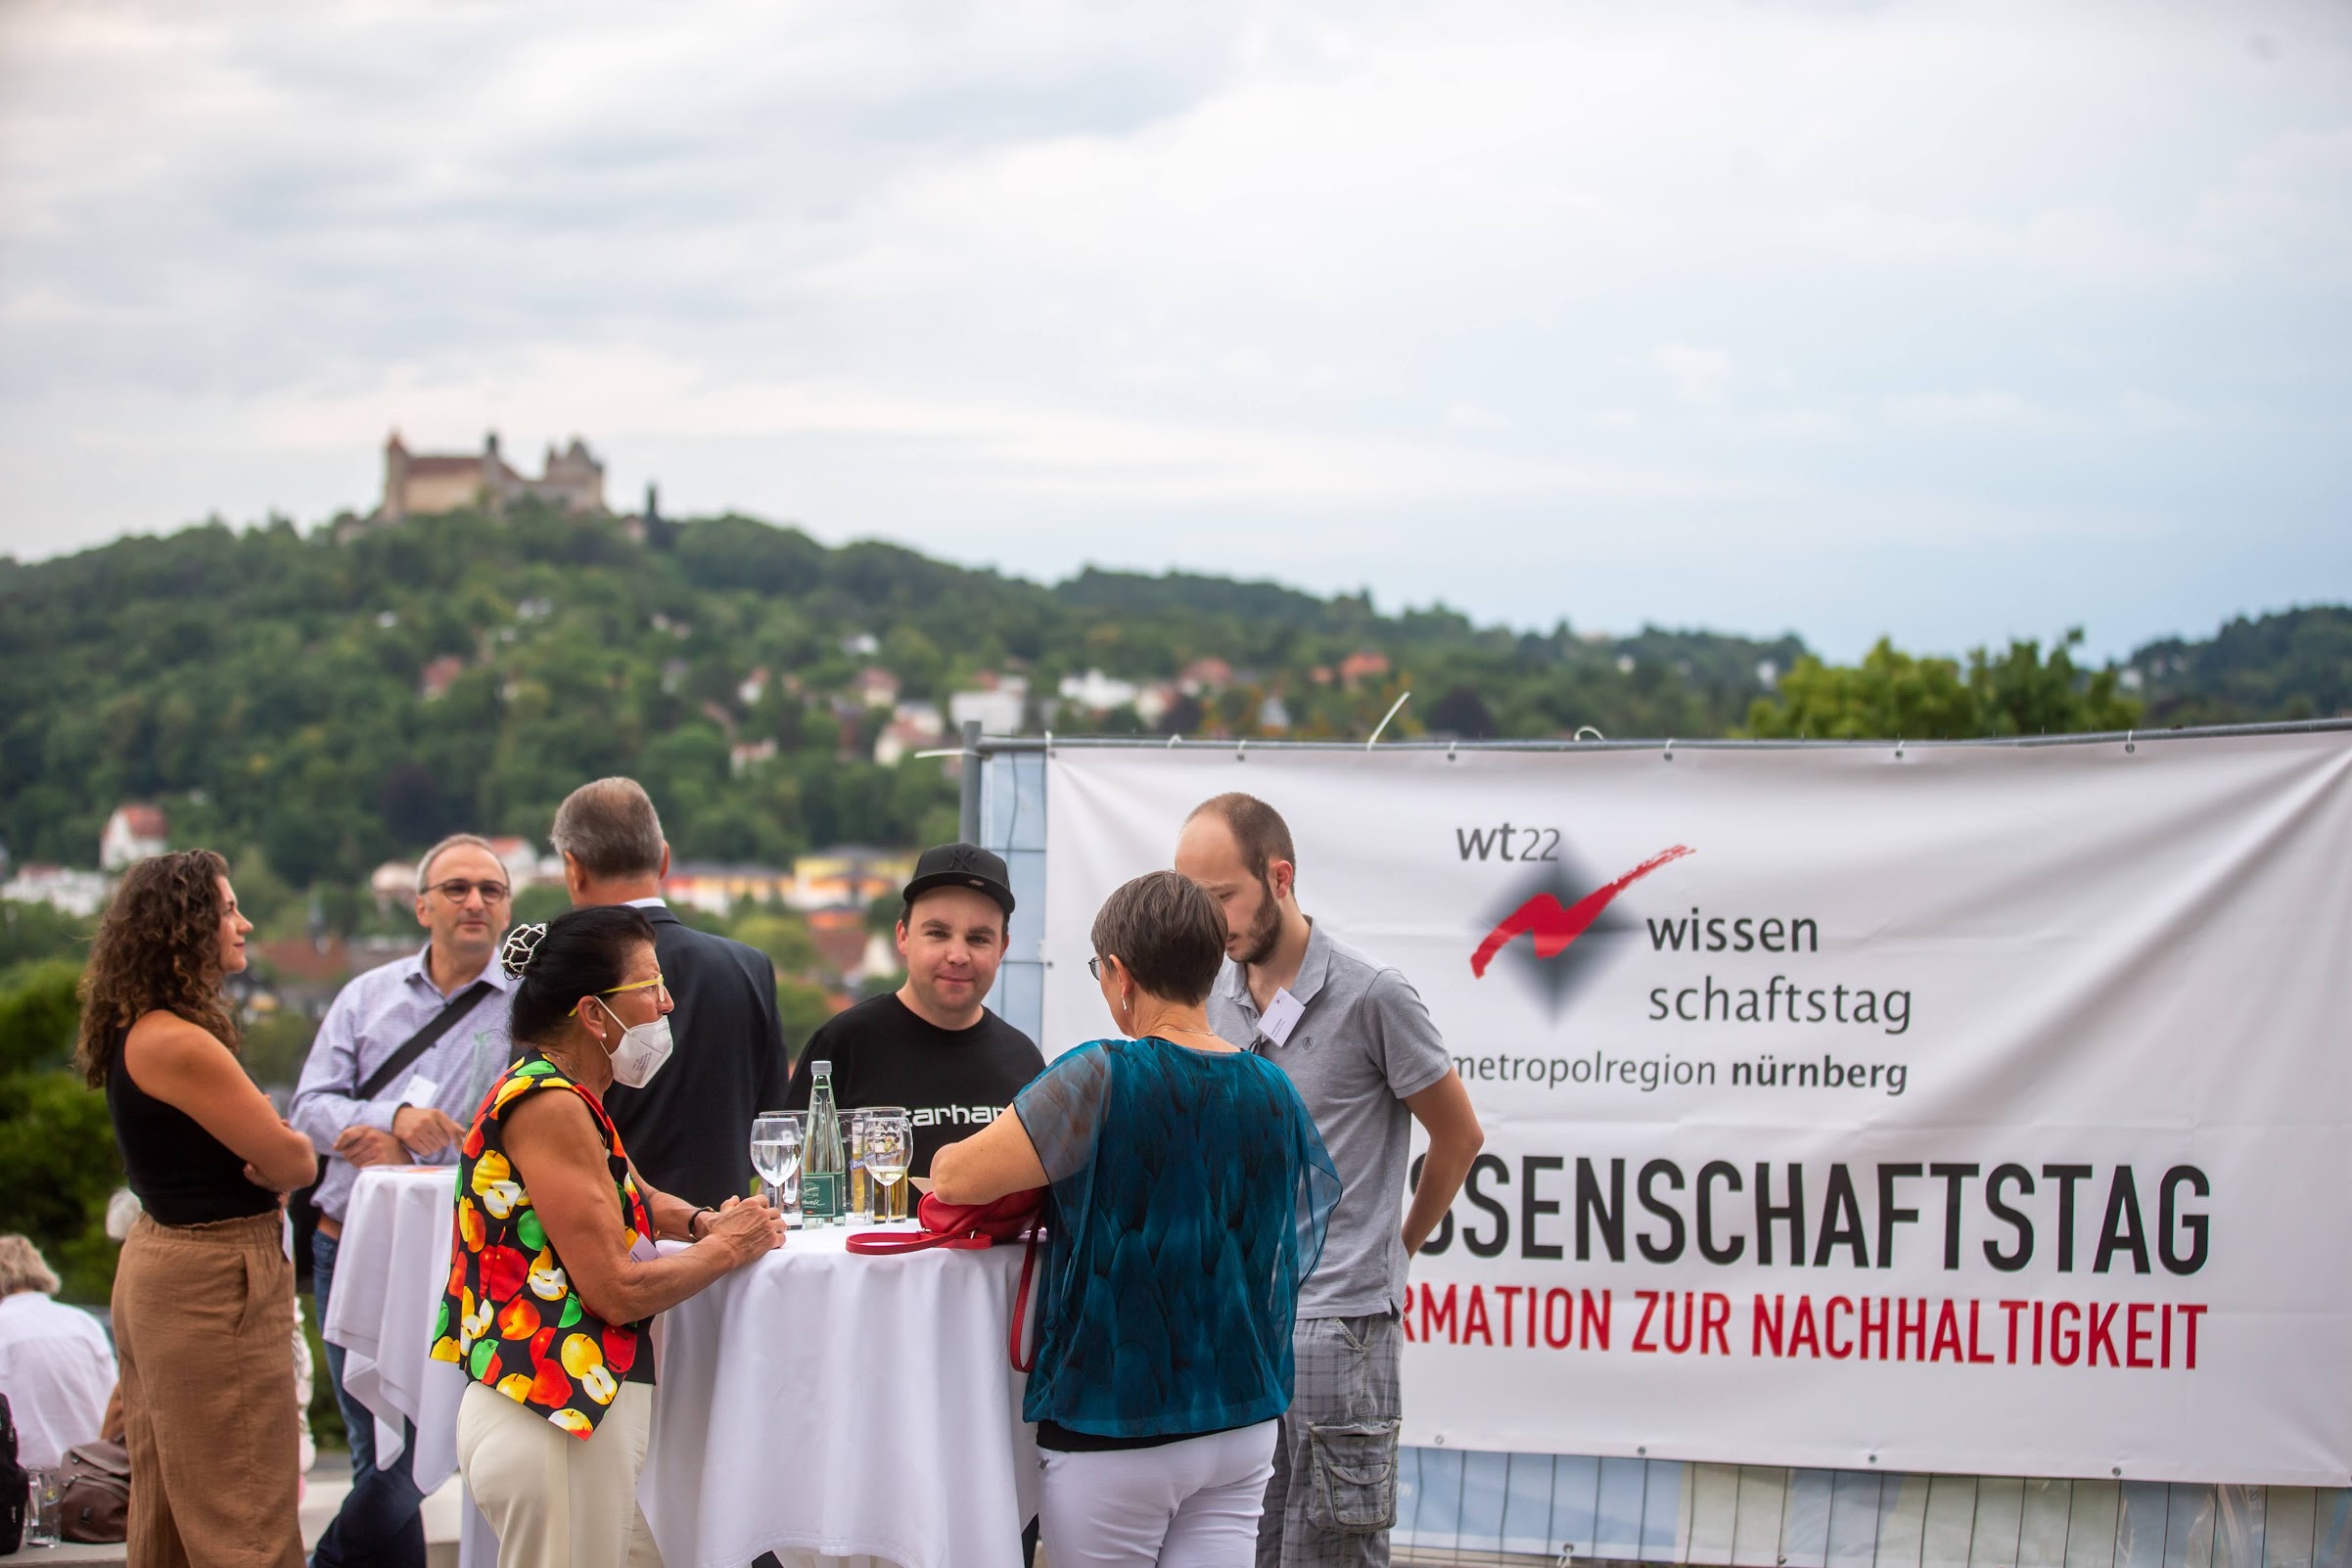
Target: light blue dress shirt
{"points": [[369, 1019]]}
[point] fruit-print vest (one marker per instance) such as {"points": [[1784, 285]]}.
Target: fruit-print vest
{"points": [[509, 1315]]}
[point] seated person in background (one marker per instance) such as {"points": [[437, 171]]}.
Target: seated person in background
{"points": [[1161, 1367], [931, 1045], [55, 1365]]}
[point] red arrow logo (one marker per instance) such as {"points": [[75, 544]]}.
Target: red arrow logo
{"points": [[1555, 928]]}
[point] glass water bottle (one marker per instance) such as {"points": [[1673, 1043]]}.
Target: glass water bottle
{"points": [[824, 1169]]}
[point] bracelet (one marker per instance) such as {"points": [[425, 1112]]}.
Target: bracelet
{"points": [[697, 1215]]}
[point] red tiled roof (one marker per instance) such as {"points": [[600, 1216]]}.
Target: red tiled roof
{"points": [[145, 821]]}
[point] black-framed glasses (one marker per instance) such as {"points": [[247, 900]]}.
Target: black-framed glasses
{"points": [[455, 890], [1095, 967]]}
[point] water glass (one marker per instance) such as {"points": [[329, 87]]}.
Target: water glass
{"points": [[887, 1133], [777, 1138], [45, 1493]]}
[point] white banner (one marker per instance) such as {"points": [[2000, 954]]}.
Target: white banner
{"points": [[1975, 1109]]}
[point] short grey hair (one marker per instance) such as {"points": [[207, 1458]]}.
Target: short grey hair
{"points": [[22, 1268], [1168, 932], [453, 841], [611, 828]]}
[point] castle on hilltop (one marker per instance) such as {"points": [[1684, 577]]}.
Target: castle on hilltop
{"points": [[423, 483]]}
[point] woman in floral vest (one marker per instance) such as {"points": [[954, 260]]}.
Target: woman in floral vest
{"points": [[553, 1279]]}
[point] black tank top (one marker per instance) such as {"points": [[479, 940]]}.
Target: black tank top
{"points": [[183, 1175]]}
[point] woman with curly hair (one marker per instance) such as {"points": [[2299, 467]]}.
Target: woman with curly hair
{"points": [[204, 1289]]}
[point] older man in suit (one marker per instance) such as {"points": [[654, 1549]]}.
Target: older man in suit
{"points": [[688, 1130]]}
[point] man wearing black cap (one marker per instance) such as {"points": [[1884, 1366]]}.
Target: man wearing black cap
{"points": [[931, 1045]]}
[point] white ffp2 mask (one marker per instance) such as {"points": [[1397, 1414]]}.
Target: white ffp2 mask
{"points": [[643, 1050]]}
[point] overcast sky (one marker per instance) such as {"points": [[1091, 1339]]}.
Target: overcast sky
{"points": [[1945, 320]]}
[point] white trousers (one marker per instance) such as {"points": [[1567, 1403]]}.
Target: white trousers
{"points": [[556, 1500], [1190, 1504]]}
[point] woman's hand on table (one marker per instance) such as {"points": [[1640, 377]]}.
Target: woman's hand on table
{"points": [[745, 1228]]}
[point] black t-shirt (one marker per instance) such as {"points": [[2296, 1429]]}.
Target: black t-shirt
{"points": [[953, 1081]]}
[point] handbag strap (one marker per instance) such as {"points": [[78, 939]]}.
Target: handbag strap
{"points": [[418, 1043], [885, 1243], [1029, 1263]]}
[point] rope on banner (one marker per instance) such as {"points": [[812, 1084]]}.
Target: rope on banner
{"points": [[1241, 750], [1669, 753], [1450, 747], [1898, 748], [2130, 742], [1385, 717], [1582, 730]]}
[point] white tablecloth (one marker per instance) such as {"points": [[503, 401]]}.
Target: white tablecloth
{"points": [[815, 1404], [389, 1271], [820, 1403]]}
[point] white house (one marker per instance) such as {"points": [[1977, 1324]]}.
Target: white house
{"points": [[394, 882], [76, 893], [996, 706], [523, 864], [133, 833], [1098, 692], [913, 728]]}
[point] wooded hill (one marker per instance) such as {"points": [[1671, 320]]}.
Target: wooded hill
{"points": [[329, 704]]}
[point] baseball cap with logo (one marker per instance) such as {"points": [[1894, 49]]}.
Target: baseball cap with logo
{"points": [[961, 865]]}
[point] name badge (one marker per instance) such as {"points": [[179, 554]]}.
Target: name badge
{"points": [[1280, 1017], [420, 1091]]}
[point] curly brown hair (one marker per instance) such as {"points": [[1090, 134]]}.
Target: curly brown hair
{"points": [[158, 949]]}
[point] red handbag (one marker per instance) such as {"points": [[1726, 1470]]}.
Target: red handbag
{"points": [[970, 1227]]}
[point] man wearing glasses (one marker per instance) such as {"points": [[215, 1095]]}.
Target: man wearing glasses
{"points": [[392, 1078]]}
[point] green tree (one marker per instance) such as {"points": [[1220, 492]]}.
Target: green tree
{"points": [[38, 1016], [1891, 695], [31, 931], [58, 1164], [801, 1006], [783, 936]]}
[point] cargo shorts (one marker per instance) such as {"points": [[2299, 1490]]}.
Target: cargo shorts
{"points": [[1333, 1497]]}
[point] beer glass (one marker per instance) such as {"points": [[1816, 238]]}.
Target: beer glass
{"points": [[45, 1493], [888, 1135], [861, 1183]]}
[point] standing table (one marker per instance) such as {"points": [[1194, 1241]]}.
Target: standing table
{"points": [[390, 1272], [817, 1404]]}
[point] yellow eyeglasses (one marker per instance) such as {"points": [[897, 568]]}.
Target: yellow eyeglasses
{"points": [[641, 984]]}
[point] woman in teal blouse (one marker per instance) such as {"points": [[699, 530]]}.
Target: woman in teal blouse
{"points": [[1190, 1192]]}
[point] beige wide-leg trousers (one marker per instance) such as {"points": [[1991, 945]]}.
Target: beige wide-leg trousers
{"points": [[201, 1318], [556, 1500]]}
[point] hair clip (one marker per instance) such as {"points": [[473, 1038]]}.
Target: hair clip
{"points": [[521, 945]]}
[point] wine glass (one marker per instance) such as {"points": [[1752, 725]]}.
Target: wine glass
{"points": [[776, 1139], [889, 1134]]}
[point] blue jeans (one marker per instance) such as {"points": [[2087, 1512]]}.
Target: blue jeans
{"points": [[381, 1524]]}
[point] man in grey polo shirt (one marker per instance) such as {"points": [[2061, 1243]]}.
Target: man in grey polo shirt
{"points": [[1359, 1044]]}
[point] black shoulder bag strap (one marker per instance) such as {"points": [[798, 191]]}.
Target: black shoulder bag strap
{"points": [[418, 1043]]}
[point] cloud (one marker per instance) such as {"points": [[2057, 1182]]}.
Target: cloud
{"points": [[1696, 375], [1748, 284]]}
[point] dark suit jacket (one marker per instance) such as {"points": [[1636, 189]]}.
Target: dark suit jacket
{"points": [[689, 1131]]}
